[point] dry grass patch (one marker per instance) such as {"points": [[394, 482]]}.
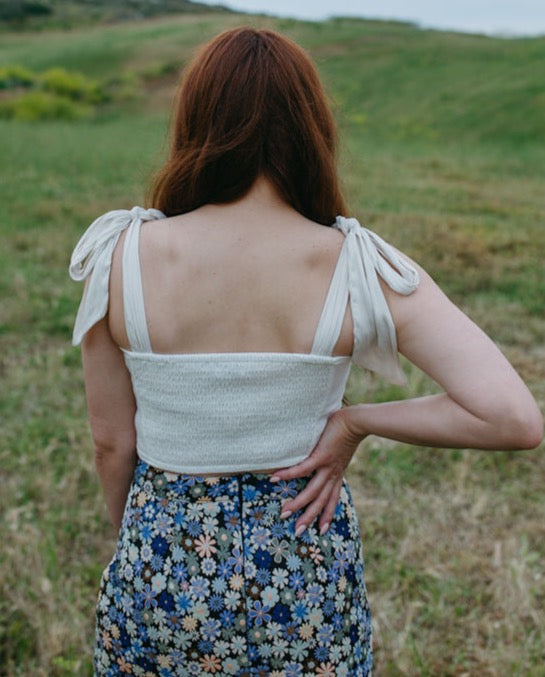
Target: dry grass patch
{"points": [[453, 567], [55, 539]]}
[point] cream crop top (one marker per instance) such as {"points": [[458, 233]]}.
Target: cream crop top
{"points": [[231, 412]]}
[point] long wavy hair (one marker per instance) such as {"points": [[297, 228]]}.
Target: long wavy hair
{"points": [[251, 103]]}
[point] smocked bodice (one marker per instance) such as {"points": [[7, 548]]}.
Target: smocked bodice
{"points": [[228, 412]]}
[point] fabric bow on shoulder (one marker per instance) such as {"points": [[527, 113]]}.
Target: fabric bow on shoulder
{"points": [[92, 258], [375, 343]]}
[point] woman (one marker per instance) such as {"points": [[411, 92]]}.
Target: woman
{"points": [[218, 331]]}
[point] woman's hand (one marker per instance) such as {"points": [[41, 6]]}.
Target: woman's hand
{"points": [[328, 460]]}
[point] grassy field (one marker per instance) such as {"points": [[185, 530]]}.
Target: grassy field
{"points": [[443, 152]]}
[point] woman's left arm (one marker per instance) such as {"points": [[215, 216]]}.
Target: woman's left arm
{"points": [[111, 407]]}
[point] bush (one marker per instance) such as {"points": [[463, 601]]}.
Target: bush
{"points": [[36, 105], [16, 76], [123, 87], [15, 10], [72, 85]]}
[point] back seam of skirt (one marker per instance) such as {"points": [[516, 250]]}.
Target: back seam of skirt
{"points": [[243, 552]]}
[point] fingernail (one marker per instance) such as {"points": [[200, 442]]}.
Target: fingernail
{"points": [[274, 478], [285, 514], [324, 528], [300, 529]]}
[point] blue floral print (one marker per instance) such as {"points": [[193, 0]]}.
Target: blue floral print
{"points": [[207, 579]]}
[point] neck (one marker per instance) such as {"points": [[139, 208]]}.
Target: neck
{"points": [[263, 193], [261, 199]]}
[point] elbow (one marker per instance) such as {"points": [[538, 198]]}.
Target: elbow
{"points": [[533, 433], [108, 460], [523, 429], [118, 447]]}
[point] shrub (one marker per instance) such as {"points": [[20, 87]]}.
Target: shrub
{"points": [[72, 85], [36, 105], [15, 10], [16, 76], [123, 87]]}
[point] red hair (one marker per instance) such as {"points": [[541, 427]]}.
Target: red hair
{"points": [[251, 103]]}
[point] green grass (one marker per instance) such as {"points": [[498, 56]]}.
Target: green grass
{"points": [[443, 153]]}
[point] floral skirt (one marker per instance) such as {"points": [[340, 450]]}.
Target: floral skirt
{"points": [[206, 578]]}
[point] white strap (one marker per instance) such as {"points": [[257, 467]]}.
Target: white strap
{"points": [[333, 312], [368, 255], [91, 260], [133, 295]]}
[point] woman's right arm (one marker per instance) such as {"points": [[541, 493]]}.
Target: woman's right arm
{"points": [[485, 403]]}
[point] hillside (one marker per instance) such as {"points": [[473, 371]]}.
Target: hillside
{"points": [[40, 14], [390, 79]]}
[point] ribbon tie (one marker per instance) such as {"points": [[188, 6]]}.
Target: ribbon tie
{"points": [[375, 343], [92, 257]]}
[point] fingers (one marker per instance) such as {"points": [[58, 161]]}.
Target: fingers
{"points": [[299, 470], [314, 508], [329, 510], [313, 488], [325, 503]]}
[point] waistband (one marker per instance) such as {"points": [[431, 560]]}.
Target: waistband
{"points": [[250, 486]]}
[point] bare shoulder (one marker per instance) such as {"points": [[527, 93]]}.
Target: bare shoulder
{"points": [[212, 228], [324, 243]]}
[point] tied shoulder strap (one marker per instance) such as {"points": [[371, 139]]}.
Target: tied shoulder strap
{"points": [[92, 258], [368, 255]]}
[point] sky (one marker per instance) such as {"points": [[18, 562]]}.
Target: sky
{"points": [[504, 17]]}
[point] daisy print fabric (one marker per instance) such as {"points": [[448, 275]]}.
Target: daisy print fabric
{"points": [[207, 579]]}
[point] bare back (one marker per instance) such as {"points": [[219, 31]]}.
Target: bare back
{"points": [[233, 278]]}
